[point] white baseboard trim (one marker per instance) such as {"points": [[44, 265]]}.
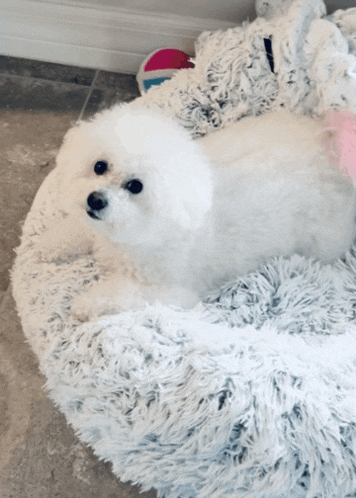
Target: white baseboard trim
{"points": [[100, 37]]}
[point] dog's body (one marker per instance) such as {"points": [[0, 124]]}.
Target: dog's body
{"points": [[277, 192], [172, 218]]}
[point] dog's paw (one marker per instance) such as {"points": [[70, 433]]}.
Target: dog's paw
{"points": [[180, 296], [64, 242], [116, 294], [90, 305], [85, 309], [49, 254]]}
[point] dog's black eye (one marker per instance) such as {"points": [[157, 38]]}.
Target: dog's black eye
{"points": [[134, 186], [100, 167]]}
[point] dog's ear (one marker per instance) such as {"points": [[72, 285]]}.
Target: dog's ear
{"points": [[70, 158], [190, 209], [191, 198], [70, 146]]}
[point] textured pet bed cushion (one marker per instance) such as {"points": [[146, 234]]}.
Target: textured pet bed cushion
{"points": [[250, 395], [199, 403]]}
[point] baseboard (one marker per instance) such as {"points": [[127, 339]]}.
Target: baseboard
{"points": [[109, 38]]}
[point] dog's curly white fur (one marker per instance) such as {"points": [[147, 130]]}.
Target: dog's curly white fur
{"points": [[170, 218]]}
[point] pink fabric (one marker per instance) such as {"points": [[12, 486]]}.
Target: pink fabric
{"points": [[341, 143]]}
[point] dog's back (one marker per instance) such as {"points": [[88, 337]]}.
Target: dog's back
{"points": [[277, 193]]}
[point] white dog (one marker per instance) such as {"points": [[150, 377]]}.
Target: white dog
{"points": [[170, 218]]}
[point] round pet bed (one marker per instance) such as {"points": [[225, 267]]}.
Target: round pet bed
{"points": [[252, 394]]}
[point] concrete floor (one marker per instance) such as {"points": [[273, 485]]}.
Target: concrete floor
{"points": [[40, 457]]}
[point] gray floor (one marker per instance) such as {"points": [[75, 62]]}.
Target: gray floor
{"points": [[40, 457]]}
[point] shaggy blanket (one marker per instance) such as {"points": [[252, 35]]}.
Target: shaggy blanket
{"points": [[252, 394], [294, 59]]}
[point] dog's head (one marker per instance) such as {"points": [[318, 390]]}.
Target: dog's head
{"points": [[135, 174]]}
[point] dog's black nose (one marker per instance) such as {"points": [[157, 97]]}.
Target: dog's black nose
{"points": [[97, 201]]}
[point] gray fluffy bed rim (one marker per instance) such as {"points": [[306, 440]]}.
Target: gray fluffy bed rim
{"points": [[253, 393]]}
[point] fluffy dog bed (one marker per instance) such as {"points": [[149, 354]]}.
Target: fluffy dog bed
{"points": [[251, 394]]}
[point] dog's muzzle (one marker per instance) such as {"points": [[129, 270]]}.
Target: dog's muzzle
{"points": [[96, 202]]}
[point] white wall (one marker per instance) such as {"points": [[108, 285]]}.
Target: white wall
{"points": [[224, 10], [114, 35]]}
